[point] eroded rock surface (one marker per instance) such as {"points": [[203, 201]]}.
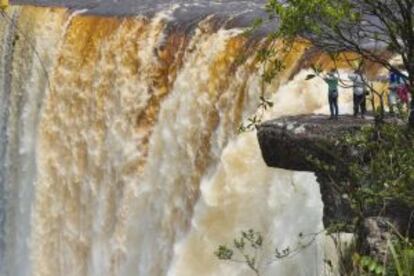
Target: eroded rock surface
{"points": [[288, 142]]}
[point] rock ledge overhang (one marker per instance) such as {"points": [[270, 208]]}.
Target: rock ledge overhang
{"points": [[287, 142]]}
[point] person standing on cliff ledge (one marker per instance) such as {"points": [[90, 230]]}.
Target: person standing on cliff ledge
{"points": [[359, 92], [332, 80]]}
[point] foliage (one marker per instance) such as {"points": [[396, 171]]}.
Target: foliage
{"points": [[399, 262], [382, 167], [379, 173], [402, 252], [248, 248], [345, 25], [366, 265], [256, 119], [364, 27]]}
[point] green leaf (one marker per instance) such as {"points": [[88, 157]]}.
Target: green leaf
{"points": [[372, 266], [365, 261], [379, 270]]}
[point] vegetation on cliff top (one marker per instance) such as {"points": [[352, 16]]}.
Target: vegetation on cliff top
{"points": [[365, 27]]}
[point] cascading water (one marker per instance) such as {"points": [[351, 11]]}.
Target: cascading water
{"points": [[124, 159]]}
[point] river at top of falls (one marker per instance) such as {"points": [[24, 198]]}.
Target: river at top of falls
{"points": [[183, 9], [121, 154]]}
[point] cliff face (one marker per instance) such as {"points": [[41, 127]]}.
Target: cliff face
{"points": [[288, 143]]}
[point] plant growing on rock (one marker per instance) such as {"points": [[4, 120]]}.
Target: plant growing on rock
{"points": [[245, 250], [248, 249]]}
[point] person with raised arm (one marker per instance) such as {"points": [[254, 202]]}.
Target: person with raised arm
{"points": [[333, 81]]}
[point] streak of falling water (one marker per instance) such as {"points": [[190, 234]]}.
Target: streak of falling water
{"points": [[5, 77], [23, 94]]}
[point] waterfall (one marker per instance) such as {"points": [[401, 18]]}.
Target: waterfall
{"points": [[121, 154], [24, 86]]}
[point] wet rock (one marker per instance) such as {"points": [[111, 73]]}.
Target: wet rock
{"points": [[377, 233]]}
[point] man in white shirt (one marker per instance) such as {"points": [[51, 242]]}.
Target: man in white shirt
{"points": [[358, 85]]}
